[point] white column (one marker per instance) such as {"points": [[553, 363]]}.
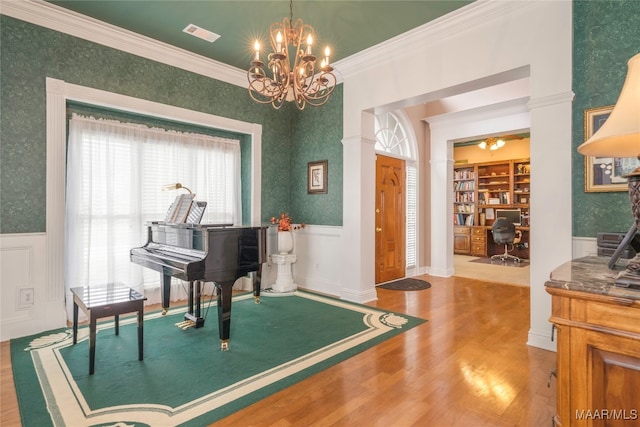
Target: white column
{"points": [[358, 217], [442, 197], [551, 219]]}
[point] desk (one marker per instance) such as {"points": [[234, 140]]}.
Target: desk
{"points": [[105, 301], [482, 243]]}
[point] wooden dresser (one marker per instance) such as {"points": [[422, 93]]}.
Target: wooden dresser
{"points": [[598, 336]]}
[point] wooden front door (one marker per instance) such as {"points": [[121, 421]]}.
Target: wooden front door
{"points": [[390, 219]]}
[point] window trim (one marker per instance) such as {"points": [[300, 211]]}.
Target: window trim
{"points": [[58, 93]]}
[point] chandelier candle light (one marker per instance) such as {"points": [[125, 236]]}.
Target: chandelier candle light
{"points": [[293, 74], [619, 136]]}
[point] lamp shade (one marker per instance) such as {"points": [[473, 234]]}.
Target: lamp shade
{"points": [[619, 136]]}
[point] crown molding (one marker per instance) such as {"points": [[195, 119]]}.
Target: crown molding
{"points": [[48, 15], [429, 34], [555, 99], [41, 13]]}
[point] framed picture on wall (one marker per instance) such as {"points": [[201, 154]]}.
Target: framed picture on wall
{"points": [[317, 177], [604, 173]]}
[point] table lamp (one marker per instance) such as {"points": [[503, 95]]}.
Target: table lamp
{"points": [[619, 136]]}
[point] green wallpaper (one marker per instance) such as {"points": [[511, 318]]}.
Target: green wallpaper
{"points": [[29, 53], [606, 35], [317, 135]]}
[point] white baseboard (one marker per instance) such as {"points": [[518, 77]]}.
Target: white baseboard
{"points": [[359, 297], [417, 271], [541, 340]]}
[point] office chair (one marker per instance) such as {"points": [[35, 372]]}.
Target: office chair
{"points": [[504, 232]]}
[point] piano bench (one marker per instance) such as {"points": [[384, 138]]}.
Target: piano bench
{"points": [[105, 301]]}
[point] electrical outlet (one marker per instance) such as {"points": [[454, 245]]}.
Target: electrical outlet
{"points": [[25, 297]]}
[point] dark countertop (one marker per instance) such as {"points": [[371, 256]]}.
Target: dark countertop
{"points": [[592, 275]]}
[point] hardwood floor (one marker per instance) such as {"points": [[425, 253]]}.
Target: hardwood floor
{"points": [[469, 365]]}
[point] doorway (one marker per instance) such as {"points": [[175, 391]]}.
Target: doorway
{"points": [[474, 261]]}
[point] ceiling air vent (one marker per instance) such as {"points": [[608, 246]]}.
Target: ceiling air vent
{"points": [[201, 33]]}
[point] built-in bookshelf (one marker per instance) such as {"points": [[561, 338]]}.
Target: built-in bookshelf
{"points": [[522, 188], [481, 190], [464, 190], [494, 184]]}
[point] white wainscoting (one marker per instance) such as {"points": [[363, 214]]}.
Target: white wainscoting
{"points": [[585, 246], [23, 266], [319, 265]]}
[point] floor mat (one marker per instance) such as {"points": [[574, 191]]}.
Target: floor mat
{"points": [[406, 285], [508, 263]]}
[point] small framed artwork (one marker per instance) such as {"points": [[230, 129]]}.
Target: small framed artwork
{"points": [[603, 174], [317, 177]]}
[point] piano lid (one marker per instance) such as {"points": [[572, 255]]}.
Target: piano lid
{"points": [[187, 225]]}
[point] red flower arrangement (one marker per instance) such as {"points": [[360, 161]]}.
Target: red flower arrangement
{"points": [[285, 223]]}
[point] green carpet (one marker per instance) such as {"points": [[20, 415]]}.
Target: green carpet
{"points": [[184, 378]]}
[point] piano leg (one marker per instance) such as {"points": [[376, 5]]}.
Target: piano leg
{"points": [[224, 313], [166, 292], [195, 297], [257, 284], [198, 291]]}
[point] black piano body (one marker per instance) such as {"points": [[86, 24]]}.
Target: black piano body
{"points": [[204, 253]]}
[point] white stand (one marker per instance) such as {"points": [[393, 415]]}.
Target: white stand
{"points": [[284, 277]]}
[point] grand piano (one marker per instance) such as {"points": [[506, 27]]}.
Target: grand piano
{"points": [[204, 253]]}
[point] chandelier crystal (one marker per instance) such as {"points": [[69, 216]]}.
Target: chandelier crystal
{"points": [[292, 66]]}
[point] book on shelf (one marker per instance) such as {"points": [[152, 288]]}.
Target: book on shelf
{"points": [[464, 197], [469, 220], [463, 219], [463, 174], [464, 186]]}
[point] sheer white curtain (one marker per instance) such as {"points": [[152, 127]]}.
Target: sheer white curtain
{"points": [[115, 172]]}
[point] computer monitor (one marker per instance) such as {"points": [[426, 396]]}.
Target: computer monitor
{"points": [[512, 215]]}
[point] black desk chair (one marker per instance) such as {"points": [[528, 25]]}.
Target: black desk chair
{"points": [[504, 232]]}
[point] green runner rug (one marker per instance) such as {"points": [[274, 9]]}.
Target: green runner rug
{"points": [[184, 378]]}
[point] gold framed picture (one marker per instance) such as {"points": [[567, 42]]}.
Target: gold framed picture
{"points": [[604, 174]]}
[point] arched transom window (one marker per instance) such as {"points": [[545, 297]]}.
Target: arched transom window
{"points": [[391, 136]]}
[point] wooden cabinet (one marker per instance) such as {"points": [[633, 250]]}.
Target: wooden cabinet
{"points": [[598, 336], [479, 241], [461, 240]]}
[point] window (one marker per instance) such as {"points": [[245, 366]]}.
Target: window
{"points": [[115, 172]]}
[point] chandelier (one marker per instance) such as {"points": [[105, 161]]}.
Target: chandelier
{"points": [[491, 144], [292, 66]]}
